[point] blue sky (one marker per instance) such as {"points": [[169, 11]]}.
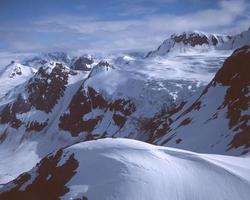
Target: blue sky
{"points": [[111, 25]]}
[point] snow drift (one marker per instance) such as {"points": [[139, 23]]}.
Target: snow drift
{"points": [[128, 169]]}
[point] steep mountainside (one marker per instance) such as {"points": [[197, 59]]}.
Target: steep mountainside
{"points": [[218, 120], [128, 169]]}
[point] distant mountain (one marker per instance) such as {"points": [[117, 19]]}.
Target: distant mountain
{"points": [[84, 62], [200, 41], [45, 58], [122, 169], [187, 41], [13, 75], [218, 120], [237, 41]]}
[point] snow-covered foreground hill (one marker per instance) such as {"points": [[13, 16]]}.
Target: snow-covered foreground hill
{"points": [[126, 169]]}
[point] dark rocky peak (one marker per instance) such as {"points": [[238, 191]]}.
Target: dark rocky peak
{"points": [[82, 63], [47, 86], [80, 116], [188, 40], [192, 38], [42, 92], [103, 63]]}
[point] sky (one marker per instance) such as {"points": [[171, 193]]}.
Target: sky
{"points": [[28, 26]]}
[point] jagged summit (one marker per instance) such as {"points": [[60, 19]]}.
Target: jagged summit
{"points": [[187, 41]]}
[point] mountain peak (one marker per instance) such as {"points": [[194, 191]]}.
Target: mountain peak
{"points": [[189, 40]]}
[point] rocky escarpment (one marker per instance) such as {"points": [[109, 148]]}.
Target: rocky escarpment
{"points": [[89, 110], [235, 75], [41, 93]]}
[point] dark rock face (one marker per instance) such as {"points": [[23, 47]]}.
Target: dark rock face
{"points": [[214, 41], [43, 92], [9, 112], [46, 89], [235, 74], [81, 63], [84, 103], [193, 39], [35, 126], [161, 123], [16, 71], [46, 181]]}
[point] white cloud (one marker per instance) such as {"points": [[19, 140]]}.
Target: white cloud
{"points": [[145, 33]]}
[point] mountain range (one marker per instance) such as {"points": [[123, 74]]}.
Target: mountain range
{"points": [[191, 93]]}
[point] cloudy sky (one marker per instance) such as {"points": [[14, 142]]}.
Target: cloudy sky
{"points": [[111, 25]]}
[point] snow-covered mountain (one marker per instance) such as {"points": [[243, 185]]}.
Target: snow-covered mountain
{"points": [[59, 106], [129, 169], [45, 58], [200, 41], [84, 62], [188, 41], [221, 111], [13, 75], [237, 41]]}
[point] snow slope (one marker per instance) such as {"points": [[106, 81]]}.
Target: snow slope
{"points": [[128, 169]]}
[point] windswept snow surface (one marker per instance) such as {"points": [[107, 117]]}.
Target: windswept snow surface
{"points": [[111, 169]]}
